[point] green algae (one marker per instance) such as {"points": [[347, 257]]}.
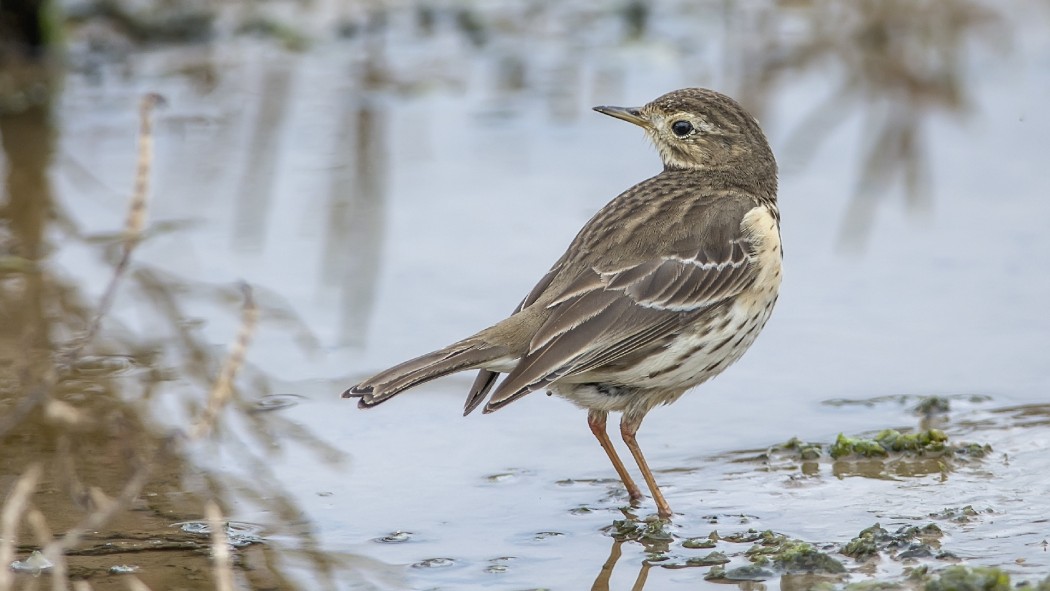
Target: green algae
{"points": [[921, 404], [647, 532], [890, 440], [932, 442], [932, 405], [772, 555], [957, 515], [750, 535], [806, 450], [951, 578], [845, 446], [700, 543], [710, 559], [748, 572], [906, 542], [973, 450], [965, 578], [866, 544], [786, 555], [800, 557]]}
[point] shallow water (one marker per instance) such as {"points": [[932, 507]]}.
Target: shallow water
{"points": [[394, 190]]}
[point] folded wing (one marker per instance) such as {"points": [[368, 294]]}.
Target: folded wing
{"points": [[609, 312]]}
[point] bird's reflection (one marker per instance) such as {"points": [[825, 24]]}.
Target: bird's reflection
{"points": [[605, 574], [603, 582]]}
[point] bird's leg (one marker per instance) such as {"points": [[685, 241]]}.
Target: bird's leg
{"points": [[628, 429], [596, 421]]}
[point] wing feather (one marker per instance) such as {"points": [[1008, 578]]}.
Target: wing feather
{"points": [[610, 307], [486, 379], [630, 309]]}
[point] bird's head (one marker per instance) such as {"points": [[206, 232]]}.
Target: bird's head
{"points": [[700, 129]]}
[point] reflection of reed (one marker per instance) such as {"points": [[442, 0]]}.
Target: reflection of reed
{"points": [[27, 139], [86, 412], [256, 187], [900, 62], [357, 192]]}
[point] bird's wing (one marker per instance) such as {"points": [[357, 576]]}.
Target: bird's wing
{"points": [[613, 310], [486, 378]]}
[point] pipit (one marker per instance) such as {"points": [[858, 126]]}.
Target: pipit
{"points": [[663, 289]]}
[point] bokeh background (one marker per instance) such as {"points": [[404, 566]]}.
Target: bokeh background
{"points": [[392, 176]]}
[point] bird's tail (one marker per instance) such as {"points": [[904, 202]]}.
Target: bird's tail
{"points": [[467, 354]]}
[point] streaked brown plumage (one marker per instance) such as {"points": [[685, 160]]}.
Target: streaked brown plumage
{"points": [[661, 290]]}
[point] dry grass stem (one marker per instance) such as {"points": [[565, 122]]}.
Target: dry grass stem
{"points": [[41, 531], [10, 517], [136, 219], [134, 584], [18, 508], [220, 548], [140, 196], [222, 391], [65, 414]]}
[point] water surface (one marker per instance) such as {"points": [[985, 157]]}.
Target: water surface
{"points": [[394, 188]]}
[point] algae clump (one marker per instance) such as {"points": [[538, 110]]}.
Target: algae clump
{"points": [[711, 559], [964, 578], [890, 440], [786, 555]]}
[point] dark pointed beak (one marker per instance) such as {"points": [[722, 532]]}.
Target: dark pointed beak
{"points": [[629, 114]]}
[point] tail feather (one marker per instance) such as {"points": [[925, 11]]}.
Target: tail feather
{"points": [[458, 357], [482, 384]]}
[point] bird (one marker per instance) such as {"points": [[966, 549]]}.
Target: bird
{"points": [[664, 288]]}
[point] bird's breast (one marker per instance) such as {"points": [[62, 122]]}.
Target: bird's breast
{"points": [[762, 226]]}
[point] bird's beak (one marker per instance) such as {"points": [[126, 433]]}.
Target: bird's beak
{"points": [[629, 114]]}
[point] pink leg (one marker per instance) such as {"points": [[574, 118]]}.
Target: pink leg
{"points": [[628, 429], [596, 421]]}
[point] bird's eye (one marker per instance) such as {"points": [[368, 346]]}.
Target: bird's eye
{"points": [[682, 128]]}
